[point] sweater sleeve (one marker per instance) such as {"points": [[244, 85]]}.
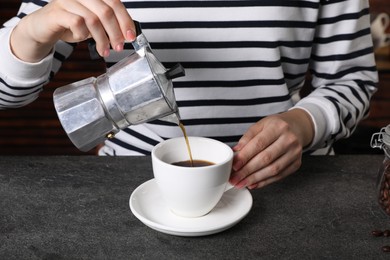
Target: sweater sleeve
{"points": [[21, 82], [343, 70]]}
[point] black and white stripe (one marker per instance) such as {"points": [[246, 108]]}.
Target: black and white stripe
{"points": [[245, 60]]}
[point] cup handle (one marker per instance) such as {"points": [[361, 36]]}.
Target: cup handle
{"points": [[138, 29], [385, 18]]}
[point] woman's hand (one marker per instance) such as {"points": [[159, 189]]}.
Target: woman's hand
{"points": [[106, 21], [271, 149]]}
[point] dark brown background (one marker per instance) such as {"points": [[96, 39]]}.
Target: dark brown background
{"points": [[35, 129]]}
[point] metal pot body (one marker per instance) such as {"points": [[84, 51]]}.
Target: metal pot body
{"points": [[137, 89]]}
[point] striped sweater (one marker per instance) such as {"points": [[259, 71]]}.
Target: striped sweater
{"points": [[244, 60]]}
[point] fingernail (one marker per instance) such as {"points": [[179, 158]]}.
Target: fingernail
{"points": [[237, 147], [130, 35], [237, 165], [234, 179], [240, 185], [106, 52], [119, 47]]}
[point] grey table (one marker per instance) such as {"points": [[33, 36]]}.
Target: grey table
{"points": [[77, 208]]}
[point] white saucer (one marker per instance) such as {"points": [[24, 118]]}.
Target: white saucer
{"points": [[147, 205]]}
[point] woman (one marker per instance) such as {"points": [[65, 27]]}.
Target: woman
{"points": [[245, 62]]}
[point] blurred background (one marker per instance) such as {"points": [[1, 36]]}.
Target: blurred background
{"points": [[36, 130]]}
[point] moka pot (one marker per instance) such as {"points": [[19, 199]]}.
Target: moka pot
{"points": [[137, 89]]}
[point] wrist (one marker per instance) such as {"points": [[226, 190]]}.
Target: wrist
{"points": [[25, 47], [302, 124]]}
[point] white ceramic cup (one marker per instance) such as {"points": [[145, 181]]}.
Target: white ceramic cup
{"points": [[378, 30], [192, 191]]}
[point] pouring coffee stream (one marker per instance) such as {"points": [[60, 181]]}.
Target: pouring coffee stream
{"points": [[183, 129]]}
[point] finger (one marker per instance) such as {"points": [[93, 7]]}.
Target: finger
{"points": [[76, 30], [124, 19], [276, 171], [247, 136], [94, 25], [257, 163], [108, 18], [291, 168], [254, 146], [61, 24]]}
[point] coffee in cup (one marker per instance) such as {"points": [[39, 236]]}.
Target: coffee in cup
{"points": [[193, 163]]}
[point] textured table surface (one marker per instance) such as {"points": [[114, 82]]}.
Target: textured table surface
{"points": [[77, 208]]}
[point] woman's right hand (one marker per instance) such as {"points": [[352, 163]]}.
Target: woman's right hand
{"points": [[106, 21]]}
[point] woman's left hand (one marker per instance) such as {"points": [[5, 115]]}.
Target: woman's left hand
{"points": [[271, 149]]}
